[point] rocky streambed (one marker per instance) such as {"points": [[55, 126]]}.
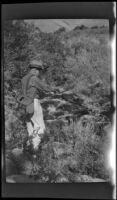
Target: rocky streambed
{"points": [[21, 168], [65, 107]]}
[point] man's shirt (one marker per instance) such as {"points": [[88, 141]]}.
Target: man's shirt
{"points": [[33, 87]]}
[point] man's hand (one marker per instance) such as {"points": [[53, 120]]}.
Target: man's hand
{"points": [[52, 92], [57, 89]]}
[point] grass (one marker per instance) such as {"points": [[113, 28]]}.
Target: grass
{"points": [[78, 148]]}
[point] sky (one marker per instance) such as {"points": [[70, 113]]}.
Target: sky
{"points": [[51, 25]]}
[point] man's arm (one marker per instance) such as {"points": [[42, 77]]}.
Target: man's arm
{"points": [[37, 83]]}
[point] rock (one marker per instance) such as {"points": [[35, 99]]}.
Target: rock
{"points": [[27, 167], [19, 179], [86, 178], [65, 107], [17, 151], [43, 180], [58, 113], [51, 109], [51, 120], [98, 180], [8, 136], [66, 116], [56, 106], [48, 116], [108, 128], [46, 102], [63, 102], [62, 179], [70, 97], [9, 179], [22, 161], [10, 167]]}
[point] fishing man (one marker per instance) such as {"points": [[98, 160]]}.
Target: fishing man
{"points": [[33, 89]]}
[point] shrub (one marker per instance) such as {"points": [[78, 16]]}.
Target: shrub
{"points": [[78, 60], [86, 155]]}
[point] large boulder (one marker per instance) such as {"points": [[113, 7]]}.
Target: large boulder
{"points": [[17, 152], [10, 167], [21, 161], [18, 178]]}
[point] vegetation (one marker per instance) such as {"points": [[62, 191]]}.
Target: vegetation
{"points": [[78, 60]]}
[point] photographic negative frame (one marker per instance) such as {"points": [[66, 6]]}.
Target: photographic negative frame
{"points": [[55, 10]]}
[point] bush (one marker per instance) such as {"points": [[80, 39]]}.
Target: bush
{"points": [[77, 60], [84, 152]]}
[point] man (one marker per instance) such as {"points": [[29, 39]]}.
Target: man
{"points": [[33, 89]]}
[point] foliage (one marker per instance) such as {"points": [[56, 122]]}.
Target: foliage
{"points": [[74, 149], [78, 60]]}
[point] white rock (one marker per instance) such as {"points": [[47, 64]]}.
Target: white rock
{"points": [[17, 151], [19, 179]]}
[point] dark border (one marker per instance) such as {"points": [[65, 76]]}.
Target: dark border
{"points": [[54, 10]]}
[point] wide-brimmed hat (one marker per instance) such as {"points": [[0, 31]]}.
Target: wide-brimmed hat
{"points": [[36, 64]]}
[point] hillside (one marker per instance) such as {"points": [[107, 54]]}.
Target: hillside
{"points": [[77, 119]]}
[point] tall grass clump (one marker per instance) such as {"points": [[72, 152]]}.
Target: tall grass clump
{"points": [[79, 150]]}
